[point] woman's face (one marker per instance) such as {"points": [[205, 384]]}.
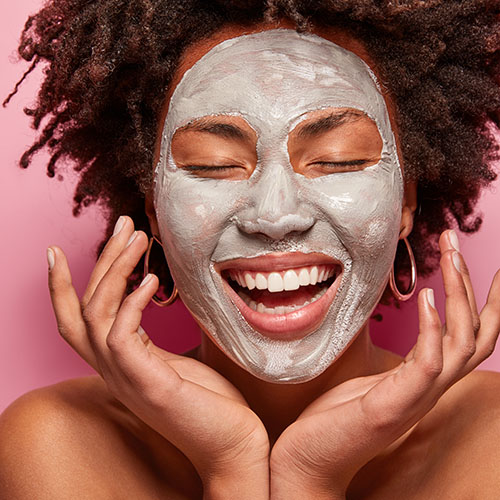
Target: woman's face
{"points": [[278, 196]]}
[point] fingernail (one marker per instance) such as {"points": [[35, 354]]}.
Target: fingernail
{"points": [[140, 331], [456, 260], [51, 258], [430, 297], [454, 240], [131, 239], [146, 280], [119, 225]]}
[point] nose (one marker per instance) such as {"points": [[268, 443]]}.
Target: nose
{"points": [[276, 210]]}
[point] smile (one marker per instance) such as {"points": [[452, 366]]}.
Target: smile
{"points": [[283, 296]]}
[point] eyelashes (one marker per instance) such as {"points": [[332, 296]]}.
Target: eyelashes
{"points": [[217, 172], [222, 168], [350, 163], [344, 164], [205, 168], [313, 169]]}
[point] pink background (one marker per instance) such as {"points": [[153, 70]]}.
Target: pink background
{"points": [[37, 212]]}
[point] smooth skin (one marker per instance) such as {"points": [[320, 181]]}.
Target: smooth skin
{"points": [[206, 417], [157, 425]]}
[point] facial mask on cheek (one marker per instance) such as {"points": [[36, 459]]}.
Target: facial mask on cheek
{"points": [[272, 80]]}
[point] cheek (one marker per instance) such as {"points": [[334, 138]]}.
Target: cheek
{"points": [[364, 211], [195, 214]]}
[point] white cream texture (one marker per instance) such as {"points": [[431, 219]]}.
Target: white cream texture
{"points": [[272, 79]]}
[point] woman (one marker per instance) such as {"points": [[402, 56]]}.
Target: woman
{"points": [[283, 173]]}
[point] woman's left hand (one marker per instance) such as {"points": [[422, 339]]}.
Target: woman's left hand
{"points": [[318, 455]]}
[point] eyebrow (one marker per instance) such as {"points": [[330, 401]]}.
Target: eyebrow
{"points": [[329, 122], [215, 127]]}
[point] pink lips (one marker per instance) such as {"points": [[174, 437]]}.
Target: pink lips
{"points": [[293, 325]]}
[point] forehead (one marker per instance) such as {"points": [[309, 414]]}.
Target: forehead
{"points": [[275, 76]]}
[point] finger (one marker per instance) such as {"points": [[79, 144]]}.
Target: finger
{"points": [[459, 341], [411, 391], [490, 325], [426, 362], [143, 335], [100, 312], [123, 230], [395, 403], [453, 243], [130, 351], [67, 306]]}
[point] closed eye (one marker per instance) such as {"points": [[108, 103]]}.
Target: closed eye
{"points": [[343, 166], [218, 168], [219, 172], [350, 163]]}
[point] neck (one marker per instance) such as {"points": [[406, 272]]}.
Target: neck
{"points": [[278, 405]]}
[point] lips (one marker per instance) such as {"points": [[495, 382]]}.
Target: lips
{"points": [[282, 296]]}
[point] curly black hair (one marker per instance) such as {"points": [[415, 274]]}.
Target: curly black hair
{"points": [[108, 65]]}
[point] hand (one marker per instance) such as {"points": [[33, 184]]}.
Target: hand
{"points": [[318, 455], [188, 403]]}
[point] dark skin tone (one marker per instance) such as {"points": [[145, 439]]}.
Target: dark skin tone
{"points": [[366, 358], [379, 426]]}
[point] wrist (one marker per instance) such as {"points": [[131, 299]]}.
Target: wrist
{"points": [[252, 483], [293, 488], [289, 483]]}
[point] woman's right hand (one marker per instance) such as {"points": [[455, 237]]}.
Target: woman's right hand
{"points": [[188, 403]]}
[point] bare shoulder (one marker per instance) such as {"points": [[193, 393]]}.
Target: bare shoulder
{"points": [[466, 433], [452, 452], [75, 437], [476, 396]]}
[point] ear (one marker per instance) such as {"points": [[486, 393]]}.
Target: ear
{"points": [[409, 207], [151, 213]]}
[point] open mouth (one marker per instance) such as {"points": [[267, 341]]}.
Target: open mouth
{"points": [[287, 302]]}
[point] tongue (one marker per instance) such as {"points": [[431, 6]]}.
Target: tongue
{"points": [[290, 298]]}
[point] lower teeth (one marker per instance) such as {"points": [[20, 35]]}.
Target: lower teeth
{"points": [[259, 307]]}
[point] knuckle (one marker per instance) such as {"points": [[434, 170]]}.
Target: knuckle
{"points": [[378, 417], [434, 322], [84, 301], [95, 313], [476, 325], [64, 332], [432, 367], [119, 270], [130, 302], [467, 349], [112, 341], [384, 420], [486, 350], [88, 315]]}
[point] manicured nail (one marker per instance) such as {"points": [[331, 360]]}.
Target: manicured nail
{"points": [[456, 260], [51, 258], [430, 297], [119, 225], [131, 239], [454, 240], [146, 280]]}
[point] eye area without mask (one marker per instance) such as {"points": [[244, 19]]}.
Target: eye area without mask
{"points": [[325, 142]]}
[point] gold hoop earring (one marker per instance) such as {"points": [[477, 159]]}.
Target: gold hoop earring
{"points": [[156, 299], [413, 283]]}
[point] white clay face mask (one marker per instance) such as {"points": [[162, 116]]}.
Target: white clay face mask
{"points": [[281, 270]]}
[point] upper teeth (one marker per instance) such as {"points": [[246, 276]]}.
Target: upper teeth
{"points": [[291, 279]]}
